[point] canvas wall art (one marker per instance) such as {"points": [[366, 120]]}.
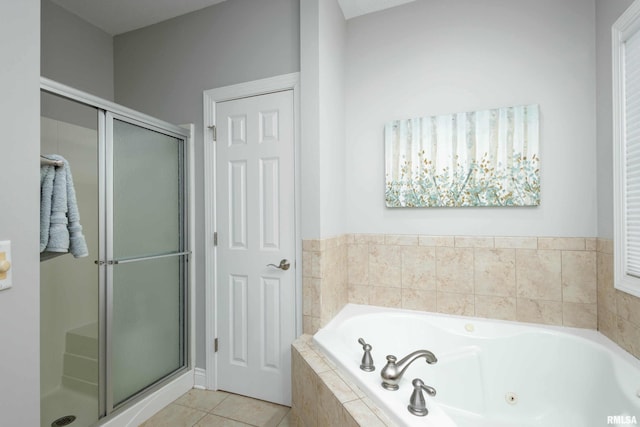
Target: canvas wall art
{"points": [[478, 158]]}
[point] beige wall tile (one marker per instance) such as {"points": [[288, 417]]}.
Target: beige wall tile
{"points": [[356, 390], [579, 276], [337, 386], [385, 266], [332, 242], [419, 267], [329, 408], [628, 336], [375, 239], [362, 415], [311, 264], [332, 306], [605, 246], [538, 311], [562, 243], [580, 315], [306, 405], [401, 239], [436, 241], [349, 421], [495, 272], [628, 307], [516, 242], [315, 362], [607, 323], [538, 274], [310, 325], [591, 243], [418, 299], [495, 307], [473, 242], [311, 245], [333, 265], [453, 303], [606, 291], [358, 264], [454, 270], [358, 294], [311, 296], [385, 297]]}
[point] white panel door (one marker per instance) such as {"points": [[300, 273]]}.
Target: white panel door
{"points": [[256, 227]]}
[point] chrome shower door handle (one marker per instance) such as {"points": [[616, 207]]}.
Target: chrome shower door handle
{"points": [[284, 265]]}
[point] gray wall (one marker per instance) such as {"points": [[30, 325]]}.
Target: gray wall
{"points": [[75, 52], [322, 63], [163, 69], [607, 12], [434, 57], [19, 306]]}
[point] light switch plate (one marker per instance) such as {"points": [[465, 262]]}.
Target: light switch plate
{"points": [[5, 257]]}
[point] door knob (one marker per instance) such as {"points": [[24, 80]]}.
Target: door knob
{"points": [[284, 265]]}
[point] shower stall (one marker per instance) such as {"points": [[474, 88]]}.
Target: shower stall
{"points": [[114, 324]]}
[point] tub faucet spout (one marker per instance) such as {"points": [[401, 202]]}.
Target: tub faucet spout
{"points": [[394, 370]]}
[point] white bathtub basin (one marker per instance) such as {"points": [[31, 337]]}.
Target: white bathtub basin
{"points": [[489, 373]]}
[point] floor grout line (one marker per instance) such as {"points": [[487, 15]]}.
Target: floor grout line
{"points": [[201, 398]]}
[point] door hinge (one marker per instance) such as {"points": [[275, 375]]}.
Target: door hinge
{"points": [[215, 345], [214, 133], [215, 238]]}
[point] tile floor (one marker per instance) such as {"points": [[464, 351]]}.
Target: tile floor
{"points": [[204, 408]]}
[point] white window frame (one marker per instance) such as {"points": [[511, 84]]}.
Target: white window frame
{"points": [[624, 28]]}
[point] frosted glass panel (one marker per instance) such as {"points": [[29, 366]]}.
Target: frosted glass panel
{"points": [[147, 336], [146, 181]]}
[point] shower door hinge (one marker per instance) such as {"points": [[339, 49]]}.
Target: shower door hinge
{"points": [[215, 238], [214, 133], [215, 345]]}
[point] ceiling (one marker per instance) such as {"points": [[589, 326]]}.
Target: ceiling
{"points": [[120, 16], [353, 8]]}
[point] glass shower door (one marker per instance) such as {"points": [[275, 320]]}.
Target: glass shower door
{"points": [[147, 255]]}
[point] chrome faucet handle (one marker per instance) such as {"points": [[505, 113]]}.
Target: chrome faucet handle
{"points": [[367, 361], [417, 405]]}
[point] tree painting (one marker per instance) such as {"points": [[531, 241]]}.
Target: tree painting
{"points": [[480, 158]]}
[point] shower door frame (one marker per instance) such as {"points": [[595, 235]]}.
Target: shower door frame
{"points": [[183, 376]]}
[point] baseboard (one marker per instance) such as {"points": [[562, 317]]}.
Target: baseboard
{"points": [[150, 405], [200, 378]]}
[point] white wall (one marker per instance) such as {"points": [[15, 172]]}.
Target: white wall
{"points": [[19, 216], [436, 56], [322, 65], [163, 69], [607, 12]]}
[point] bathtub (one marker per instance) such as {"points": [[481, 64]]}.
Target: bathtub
{"points": [[489, 373]]}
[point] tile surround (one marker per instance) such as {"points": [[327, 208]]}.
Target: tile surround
{"points": [[549, 280], [618, 312], [557, 281], [322, 396]]}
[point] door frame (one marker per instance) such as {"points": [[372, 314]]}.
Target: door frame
{"points": [[211, 97]]}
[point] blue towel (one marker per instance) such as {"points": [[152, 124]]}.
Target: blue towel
{"points": [[46, 191], [60, 229]]}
